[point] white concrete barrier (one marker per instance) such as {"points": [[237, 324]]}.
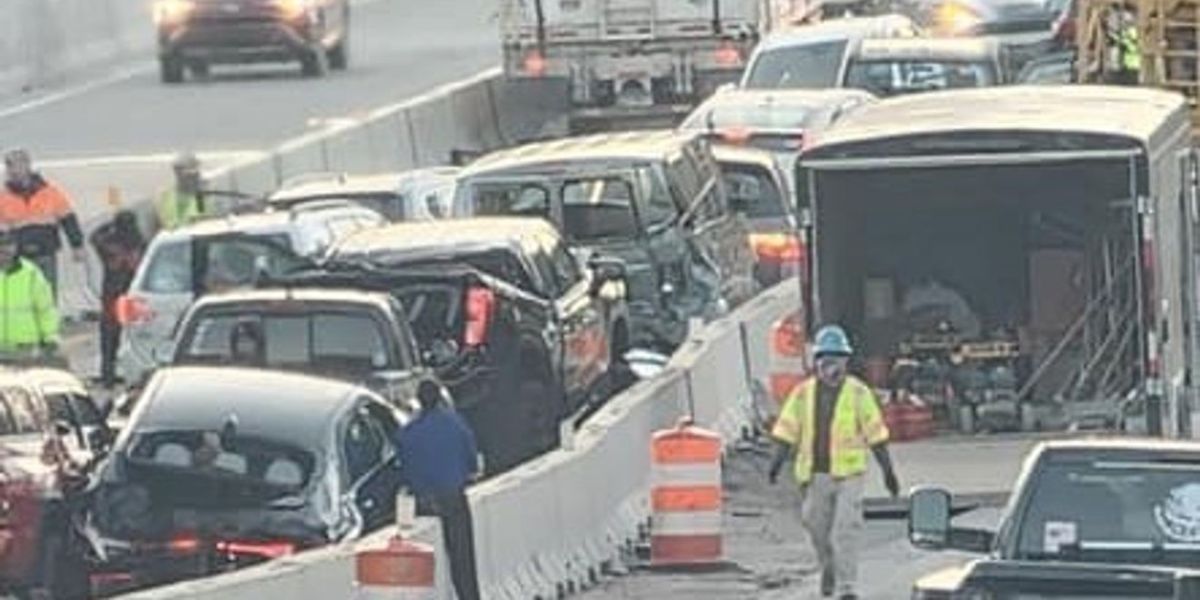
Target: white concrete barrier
{"points": [[43, 40]]}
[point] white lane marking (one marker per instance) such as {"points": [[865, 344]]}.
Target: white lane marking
{"points": [[117, 160], [122, 75], [77, 90]]}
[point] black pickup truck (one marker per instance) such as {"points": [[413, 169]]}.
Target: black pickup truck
{"points": [[523, 337], [1101, 518]]}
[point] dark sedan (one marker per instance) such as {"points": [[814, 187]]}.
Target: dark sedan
{"points": [[221, 468]]}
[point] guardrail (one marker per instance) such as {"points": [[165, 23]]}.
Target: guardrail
{"points": [[41, 40], [557, 523]]}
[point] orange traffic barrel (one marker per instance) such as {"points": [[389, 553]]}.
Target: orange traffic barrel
{"points": [[685, 525], [402, 570], [788, 356]]}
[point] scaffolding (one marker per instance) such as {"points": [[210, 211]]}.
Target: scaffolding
{"points": [[1168, 36]]}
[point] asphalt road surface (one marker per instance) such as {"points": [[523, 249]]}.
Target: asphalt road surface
{"points": [[122, 128]]}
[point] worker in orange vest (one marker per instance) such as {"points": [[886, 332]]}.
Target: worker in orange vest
{"points": [[37, 209]]}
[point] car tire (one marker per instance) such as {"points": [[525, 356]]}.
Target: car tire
{"points": [[539, 416], [170, 70], [314, 64], [339, 55]]}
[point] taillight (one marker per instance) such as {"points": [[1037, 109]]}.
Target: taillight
{"points": [[260, 549], [183, 544], [131, 310], [728, 55], [481, 302], [777, 247], [788, 336], [534, 64]]}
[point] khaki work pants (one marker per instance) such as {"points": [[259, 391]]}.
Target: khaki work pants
{"points": [[833, 515]]}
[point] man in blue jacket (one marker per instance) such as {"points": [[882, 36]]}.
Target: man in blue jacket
{"points": [[438, 459]]}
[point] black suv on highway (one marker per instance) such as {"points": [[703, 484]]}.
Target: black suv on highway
{"points": [[193, 34]]}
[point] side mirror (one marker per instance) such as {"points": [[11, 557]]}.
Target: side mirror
{"points": [[929, 518]]}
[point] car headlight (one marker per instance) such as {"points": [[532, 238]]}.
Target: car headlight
{"points": [[172, 12]]}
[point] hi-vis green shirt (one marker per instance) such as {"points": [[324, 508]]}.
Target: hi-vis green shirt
{"points": [[28, 316], [856, 426]]}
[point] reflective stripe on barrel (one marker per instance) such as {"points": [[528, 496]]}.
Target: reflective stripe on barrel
{"points": [[685, 497]]}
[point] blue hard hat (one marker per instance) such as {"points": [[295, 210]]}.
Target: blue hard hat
{"points": [[832, 339]]}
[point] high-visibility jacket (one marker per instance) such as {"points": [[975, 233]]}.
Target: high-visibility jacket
{"points": [[37, 213], [1131, 51], [857, 424], [28, 317], [176, 209]]}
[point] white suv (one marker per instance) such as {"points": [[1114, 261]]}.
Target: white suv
{"points": [[216, 255]]}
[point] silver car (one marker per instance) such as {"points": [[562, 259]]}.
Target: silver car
{"points": [[216, 255]]}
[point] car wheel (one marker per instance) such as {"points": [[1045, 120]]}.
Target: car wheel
{"points": [[314, 64], [170, 70], [199, 70], [339, 55]]}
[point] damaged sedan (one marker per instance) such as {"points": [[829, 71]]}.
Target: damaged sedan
{"points": [[223, 468]]}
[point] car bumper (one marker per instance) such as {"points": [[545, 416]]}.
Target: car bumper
{"points": [[253, 41]]}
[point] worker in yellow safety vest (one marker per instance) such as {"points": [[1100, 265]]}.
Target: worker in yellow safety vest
{"points": [[828, 424], [1130, 51], [29, 320], [182, 204]]}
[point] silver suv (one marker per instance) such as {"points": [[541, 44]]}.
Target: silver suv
{"points": [[216, 255]]}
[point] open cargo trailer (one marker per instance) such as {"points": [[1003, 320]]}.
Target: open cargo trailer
{"points": [[1063, 215]]}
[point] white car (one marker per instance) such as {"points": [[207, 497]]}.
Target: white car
{"points": [[215, 255], [416, 195], [816, 56]]}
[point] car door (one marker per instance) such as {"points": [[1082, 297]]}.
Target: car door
{"points": [[580, 321], [720, 235], [368, 463]]}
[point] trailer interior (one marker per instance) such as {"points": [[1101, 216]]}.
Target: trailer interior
{"points": [[1044, 254]]}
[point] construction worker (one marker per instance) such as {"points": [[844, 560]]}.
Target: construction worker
{"points": [[1129, 50], [182, 204], [827, 424], [37, 209], [28, 318], [438, 459], [120, 245]]}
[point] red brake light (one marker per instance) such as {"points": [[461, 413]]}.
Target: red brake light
{"points": [[787, 336], [481, 302], [183, 544], [262, 549], [728, 55], [131, 310], [534, 64]]}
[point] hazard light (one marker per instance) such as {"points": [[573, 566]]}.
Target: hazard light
{"points": [[777, 247], [172, 12], [788, 336], [481, 303], [269, 549]]}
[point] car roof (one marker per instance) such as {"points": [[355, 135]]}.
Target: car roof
{"points": [[1137, 113], [833, 29], [262, 223], [335, 184], [275, 405], [630, 145], [1121, 444], [460, 236], [293, 295], [927, 47]]}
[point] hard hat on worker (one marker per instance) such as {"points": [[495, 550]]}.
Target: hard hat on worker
{"points": [[186, 161], [832, 340]]}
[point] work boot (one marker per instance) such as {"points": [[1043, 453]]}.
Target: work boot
{"points": [[826, 583]]}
